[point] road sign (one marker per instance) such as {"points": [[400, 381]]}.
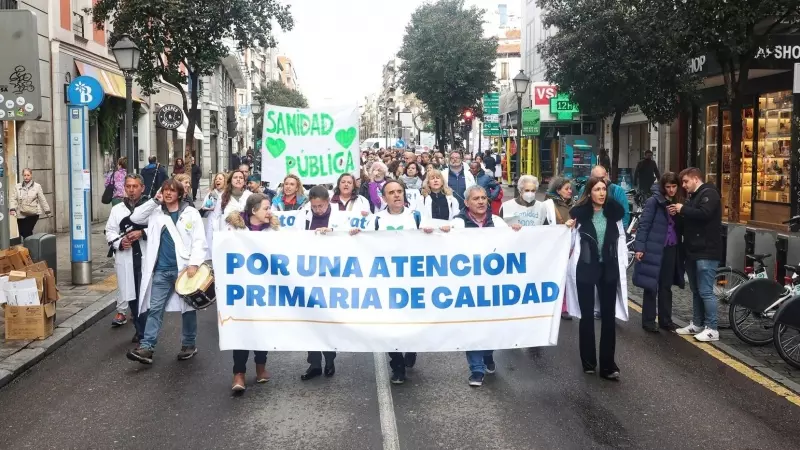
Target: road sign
{"points": [[531, 122], [491, 114], [400, 144], [85, 91], [20, 84], [562, 107]]}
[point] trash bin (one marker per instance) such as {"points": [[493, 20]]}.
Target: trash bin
{"points": [[749, 245], [781, 257], [43, 248]]}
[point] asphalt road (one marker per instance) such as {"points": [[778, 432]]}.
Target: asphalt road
{"points": [[86, 395]]}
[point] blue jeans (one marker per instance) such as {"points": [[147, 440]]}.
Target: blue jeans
{"points": [[160, 293], [701, 274], [477, 360]]}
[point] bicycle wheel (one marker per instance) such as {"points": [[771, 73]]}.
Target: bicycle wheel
{"points": [[725, 281], [787, 342], [754, 328], [631, 255]]}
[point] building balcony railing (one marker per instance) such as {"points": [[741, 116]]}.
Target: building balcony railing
{"points": [[77, 24], [8, 4]]}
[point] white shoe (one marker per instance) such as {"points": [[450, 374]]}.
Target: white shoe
{"points": [[691, 329], [707, 335]]}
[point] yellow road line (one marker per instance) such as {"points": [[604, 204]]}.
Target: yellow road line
{"points": [[736, 365]]}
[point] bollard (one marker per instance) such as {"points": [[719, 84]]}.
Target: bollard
{"points": [[42, 247], [749, 245], [781, 257], [724, 233]]}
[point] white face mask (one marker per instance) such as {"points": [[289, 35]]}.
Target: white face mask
{"points": [[528, 196]]}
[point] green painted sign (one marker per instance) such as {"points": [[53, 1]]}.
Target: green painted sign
{"points": [[562, 107], [491, 114], [531, 122]]}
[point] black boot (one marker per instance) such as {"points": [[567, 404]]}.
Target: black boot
{"points": [[312, 372], [330, 369]]}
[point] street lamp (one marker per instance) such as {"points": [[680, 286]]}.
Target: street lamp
{"points": [[127, 55], [255, 109], [389, 108], [521, 82]]}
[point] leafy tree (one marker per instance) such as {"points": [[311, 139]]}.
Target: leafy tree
{"points": [[446, 61], [610, 55], [277, 94], [181, 41], [732, 32]]}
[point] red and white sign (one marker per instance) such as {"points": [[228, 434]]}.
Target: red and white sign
{"points": [[543, 93]]}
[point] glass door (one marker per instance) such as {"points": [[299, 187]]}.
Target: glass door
{"points": [[774, 143], [746, 173]]}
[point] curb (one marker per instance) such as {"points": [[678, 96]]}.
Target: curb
{"points": [[737, 355], [27, 357]]}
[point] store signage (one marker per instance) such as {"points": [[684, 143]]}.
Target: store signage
{"points": [[20, 84], [170, 117], [697, 65], [531, 122], [791, 52], [562, 107], [491, 114], [543, 94]]}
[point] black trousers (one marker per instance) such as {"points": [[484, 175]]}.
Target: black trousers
{"points": [[26, 225], [139, 321], [240, 359], [315, 359], [607, 292], [397, 361], [662, 300], [194, 191]]}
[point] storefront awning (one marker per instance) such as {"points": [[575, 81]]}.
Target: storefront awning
{"points": [[113, 83], [198, 133]]}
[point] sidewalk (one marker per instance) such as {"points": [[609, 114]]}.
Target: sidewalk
{"points": [[79, 307]]}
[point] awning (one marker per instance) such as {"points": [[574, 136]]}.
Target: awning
{"points": [[113, 83], [198, 133]]}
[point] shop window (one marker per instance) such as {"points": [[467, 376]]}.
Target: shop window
{"points": [[711, 163], [746, 175], [774, 142]]}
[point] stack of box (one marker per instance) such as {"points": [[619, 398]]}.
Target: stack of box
{"points": [[28, 293]]}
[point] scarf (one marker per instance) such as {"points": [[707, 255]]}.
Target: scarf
{"points": [[250, 226], [320, 221]]}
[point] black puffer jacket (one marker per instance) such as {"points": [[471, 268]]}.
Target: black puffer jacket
{"points": [[702, 215]]}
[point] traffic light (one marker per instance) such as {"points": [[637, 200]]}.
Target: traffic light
{"points": [[467, 117]]}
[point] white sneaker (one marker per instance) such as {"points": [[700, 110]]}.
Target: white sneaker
{"points": [[707, 335], [691, 329]]}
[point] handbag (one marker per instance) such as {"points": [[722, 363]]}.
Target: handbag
{"points": [[108, 193]]}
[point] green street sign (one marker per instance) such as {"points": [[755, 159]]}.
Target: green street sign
{"points": [[531, 122], [491, 114], [562, 107]]}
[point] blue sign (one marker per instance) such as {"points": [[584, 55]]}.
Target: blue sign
{"points": [[85, 91], [79, 184], [400, 144]]}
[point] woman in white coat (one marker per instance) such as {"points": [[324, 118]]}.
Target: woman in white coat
{"points": [[233, 199], [598, 261], [345, 197], [436, 199], [177, 241]]}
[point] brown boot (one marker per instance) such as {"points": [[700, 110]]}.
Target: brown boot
{"points": [[238, 382], [262, 375]]}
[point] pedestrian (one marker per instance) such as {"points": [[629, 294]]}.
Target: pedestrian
{"points": [[702, 221], [245, 169], [233, 199], [409, 157], [129, 245], [615, 192], [458, 177], [524, 209], [178, 167], [344, 196], [396, 169], [412, 177], [378, 177], [490, 163], [659, 254], [477, 215], [116, 179], [235, 160], [256, 216], [165, 259], [254, 184], [27, 203], [598, 261], [484, 180], [426, 160], [186, 181], [214, 194], [557, 206], [646, 173], [604, 160], [291, 195], [154, 175], [436, 200], [196, 175]]}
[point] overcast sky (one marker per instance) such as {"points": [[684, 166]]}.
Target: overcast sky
{"points": [[339, 47]]}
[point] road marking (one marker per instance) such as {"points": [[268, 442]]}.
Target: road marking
{"points": [[391, 440], [736, 365]]}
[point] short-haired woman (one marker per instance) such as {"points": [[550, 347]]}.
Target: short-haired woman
{"points": [[598, 261], [27, 203]]}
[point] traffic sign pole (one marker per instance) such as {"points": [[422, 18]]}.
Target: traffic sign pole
{"points": [[5, 229]]}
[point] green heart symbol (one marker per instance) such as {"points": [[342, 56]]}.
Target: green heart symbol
{"points": [[276, 147], [391, 228], [346, 137]]}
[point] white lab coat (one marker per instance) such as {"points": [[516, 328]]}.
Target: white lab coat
{"points": [[123, 259], [209, 222], [550, 212], [425, 206], [217, 217], [359, 203], [621, 310], [190, 247]]}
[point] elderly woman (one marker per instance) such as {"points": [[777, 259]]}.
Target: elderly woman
{"points": [[377, 175], [27, 203], [524, 209], [291, 196]]}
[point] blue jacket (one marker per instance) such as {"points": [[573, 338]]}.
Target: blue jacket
{"points": [[489, 184], [617, 193], [277, 202], [650, 238]]}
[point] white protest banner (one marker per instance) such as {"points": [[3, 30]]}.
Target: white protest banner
{"points": [[317, 145], [380, 292], [360, 221], [293, 220], [412, 196]]}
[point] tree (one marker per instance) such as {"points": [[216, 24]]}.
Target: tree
{"points": [[732, 31], [446, 61], [610, 55], [181, 41], [277, 94]]}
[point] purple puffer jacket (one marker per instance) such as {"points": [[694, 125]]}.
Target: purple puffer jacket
{"points": [[119, 182]]}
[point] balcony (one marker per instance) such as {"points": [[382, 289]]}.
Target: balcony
{"points": [[8, 4], [77, 24]]}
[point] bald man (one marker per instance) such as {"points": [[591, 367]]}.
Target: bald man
{"points": [[615, 192]]}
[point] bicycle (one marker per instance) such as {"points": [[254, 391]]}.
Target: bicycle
{"points": [[786, 332], [631, 237]]}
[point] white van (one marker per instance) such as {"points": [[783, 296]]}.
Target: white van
{"points": [[372, 143]]}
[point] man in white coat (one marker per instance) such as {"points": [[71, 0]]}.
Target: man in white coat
{"points": [[129, 245], [177, 242], [458, 177]]}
